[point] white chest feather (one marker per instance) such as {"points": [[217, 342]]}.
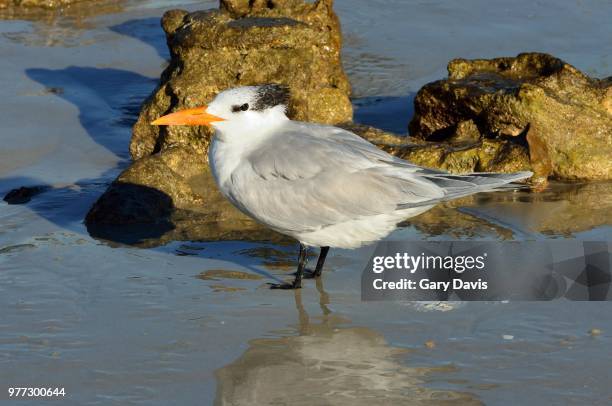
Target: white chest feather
{"points": [[224, 159]]}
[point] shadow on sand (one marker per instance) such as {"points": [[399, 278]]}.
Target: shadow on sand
{"points": [[147, 30], [100, 93]]}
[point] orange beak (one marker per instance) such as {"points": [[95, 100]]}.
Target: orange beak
{"points": [[195, 116]]}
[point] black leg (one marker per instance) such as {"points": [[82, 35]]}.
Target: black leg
{"points": [[321, 261], [310, 274], [297, 282]]}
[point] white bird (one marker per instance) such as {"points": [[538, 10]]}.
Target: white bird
{"points": [[322, 185]]}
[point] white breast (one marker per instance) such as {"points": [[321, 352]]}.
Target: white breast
{"points": [[231, 171], [223, 159]]}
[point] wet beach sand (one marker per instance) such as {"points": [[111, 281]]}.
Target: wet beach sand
{"points": [[194, 322]]}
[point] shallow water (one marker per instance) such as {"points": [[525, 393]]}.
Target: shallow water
{"points": [[193, 322]]}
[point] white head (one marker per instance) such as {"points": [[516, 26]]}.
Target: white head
{"points": [[252, 108]]}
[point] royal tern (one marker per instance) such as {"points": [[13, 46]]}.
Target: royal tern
{"points": [[322, 185]]}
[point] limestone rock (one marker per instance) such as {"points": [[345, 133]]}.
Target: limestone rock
{"points": [[293, 42], [534, 101]]}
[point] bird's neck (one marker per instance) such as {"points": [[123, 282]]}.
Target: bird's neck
{"points": [[234, 140]]}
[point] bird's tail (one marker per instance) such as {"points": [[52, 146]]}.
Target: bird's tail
{"points": [[455, 186]]}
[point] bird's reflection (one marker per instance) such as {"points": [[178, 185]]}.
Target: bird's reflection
{"points": [[327, 362]]}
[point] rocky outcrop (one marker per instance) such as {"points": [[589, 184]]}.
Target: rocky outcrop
{"points": [[533, 103], [23, 194], [293, 42]]}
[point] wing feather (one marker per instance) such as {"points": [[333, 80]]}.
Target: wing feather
{"points": [[315, 176], [310, 176]]}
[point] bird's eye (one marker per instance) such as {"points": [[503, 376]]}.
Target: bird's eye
{"points": [[244, 107]]}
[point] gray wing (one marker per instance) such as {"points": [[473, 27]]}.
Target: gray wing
{"points": [[303, 150], [309, 176]]}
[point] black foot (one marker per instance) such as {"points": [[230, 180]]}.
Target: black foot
{"points": [[285, 285]]}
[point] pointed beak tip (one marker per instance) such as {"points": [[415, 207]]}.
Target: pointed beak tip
{"points": [[161, 121]]}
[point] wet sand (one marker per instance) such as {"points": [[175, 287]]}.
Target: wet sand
{"points": [[194, 322]]}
